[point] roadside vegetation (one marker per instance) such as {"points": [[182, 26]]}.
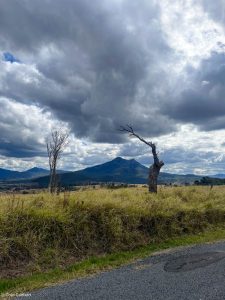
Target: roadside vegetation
{"points": [[41, 232]]}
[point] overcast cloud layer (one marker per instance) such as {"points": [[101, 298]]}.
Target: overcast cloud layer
{"points": [[94, 65]]}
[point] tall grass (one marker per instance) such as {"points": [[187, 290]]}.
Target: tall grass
{"points": [[41, 231]]}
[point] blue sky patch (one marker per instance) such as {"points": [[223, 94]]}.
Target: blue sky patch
{"points": [[7, 56]]}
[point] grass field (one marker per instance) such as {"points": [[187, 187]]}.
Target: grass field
{"points": [[40, 232]]}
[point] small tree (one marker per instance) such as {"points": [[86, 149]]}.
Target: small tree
{"points": [[55, 146], [154, 169]]}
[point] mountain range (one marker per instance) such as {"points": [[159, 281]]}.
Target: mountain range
{"points": [[221, 176], [6, 175], [117, 170]]}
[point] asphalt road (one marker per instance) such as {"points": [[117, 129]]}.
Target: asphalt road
{"points": [[196, 272]]}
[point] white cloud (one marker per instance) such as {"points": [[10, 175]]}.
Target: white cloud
{"points": [[190, 31]]}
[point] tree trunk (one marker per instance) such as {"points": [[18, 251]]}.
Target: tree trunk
{"points": [[154, 171], [53, 180], [153, 178], [50, 181]]}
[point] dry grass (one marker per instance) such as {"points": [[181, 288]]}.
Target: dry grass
{"points": [[40, 231], [133, 199]]}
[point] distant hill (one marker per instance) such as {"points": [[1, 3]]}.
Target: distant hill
{"points": [[14, 175], [221, 176], [6, 175], [117, 170]]}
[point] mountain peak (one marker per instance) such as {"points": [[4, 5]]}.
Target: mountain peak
{"points": [[125, 162], [35, 169], [118, 159]]}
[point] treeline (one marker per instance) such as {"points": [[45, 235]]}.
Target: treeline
{"points": [[210, 181]]}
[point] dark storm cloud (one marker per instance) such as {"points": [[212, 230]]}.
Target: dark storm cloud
{"points": [[19, 136], [23, 129], [202, 101], [98, 65], [94, 60], [17, 150]]}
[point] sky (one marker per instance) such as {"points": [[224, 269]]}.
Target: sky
{"points": [[91, 66]]}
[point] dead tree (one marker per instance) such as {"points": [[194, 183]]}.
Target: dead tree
{"points": [[55, 146], [154, 169]]}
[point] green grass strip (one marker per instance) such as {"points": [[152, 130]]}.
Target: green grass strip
{"points": [[96, 264]]}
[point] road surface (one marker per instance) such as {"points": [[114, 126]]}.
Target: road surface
{"points": [[196, 272]]}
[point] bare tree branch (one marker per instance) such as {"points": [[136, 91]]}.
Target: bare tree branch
{"points": [[131, 132], [155, 168]]}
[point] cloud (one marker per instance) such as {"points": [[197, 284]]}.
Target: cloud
{"points": [[185, 151], [202, 104], [94, 68], [215, 10], [97, 65], [23, 129]]}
